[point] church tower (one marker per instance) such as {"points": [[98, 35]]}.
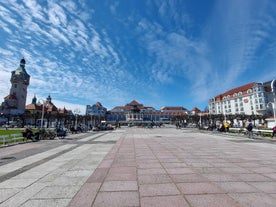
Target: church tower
{"points": [[15, 102]]}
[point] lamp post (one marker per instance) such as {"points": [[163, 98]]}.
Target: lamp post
{"points": [[76, 111], [274, 113], [43, 111], [273, 84]]}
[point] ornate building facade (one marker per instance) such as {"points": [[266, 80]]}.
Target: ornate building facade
{"points": [[15, 102]]}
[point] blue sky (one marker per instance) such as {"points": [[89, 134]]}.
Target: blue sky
{"points": [[158, 52]]}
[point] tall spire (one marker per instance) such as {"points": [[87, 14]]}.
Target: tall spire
{"points": [[34, 100]]}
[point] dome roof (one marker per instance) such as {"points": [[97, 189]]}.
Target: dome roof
{"points": [[22, 61]]}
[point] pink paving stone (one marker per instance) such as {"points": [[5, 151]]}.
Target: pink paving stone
{"points": [[174, 164], [158, 189], [122, 176], [98, 175], [86, 195], [151, 171], [119, 186], [211, 200], [198, 188], [263, 170], [169, 160], [117, 199], [180, 170], [207, 170], [236, 187], [106, 163], [188, 178], [254, 199], [164, 201], [149, 165], [147, 161], [271, 175], [267, 187], [222, 177], [253, 177], [234, 170], [124, 163], [122, 170], [151, 179]]}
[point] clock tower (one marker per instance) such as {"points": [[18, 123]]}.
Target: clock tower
{"points": [[15, 102]]}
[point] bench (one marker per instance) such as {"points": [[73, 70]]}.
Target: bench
{"points": [[258, 132]]}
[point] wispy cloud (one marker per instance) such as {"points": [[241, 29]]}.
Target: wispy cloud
{"points": [[84, 52]]}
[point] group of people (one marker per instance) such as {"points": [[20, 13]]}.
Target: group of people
{"points": [[249, 128]]}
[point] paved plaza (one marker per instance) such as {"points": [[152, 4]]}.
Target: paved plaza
{"points": [[140, 167]]}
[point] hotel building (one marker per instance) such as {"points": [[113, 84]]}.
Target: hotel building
{"points": [[251, 99]]}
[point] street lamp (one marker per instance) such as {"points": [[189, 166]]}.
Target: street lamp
{"points": [[76, 111], [273, 84], [43, 111], [274, 113]]}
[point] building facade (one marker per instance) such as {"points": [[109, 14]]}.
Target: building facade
{"points": [[14, 103], [250, 99], [95, 110], [137, 112]]}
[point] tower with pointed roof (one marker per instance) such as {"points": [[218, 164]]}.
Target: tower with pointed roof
{"points": [[15, 102]]}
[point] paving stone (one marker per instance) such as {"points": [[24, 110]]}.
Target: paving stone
{"points": [[254, 199], [164, 201], [98, 175], [117, 199], [46, 203], [85, 196], [267, 187], [198, 188], [119, 186], [237, 187], [158, 189], [154, 179], [180, 170], [188, 178], [211, 200]]}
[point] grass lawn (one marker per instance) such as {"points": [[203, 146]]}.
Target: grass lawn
{"points": [[10, 131], [10, 139]]}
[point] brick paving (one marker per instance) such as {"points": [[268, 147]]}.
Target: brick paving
{"points": [[169, 167], [152, 167]]}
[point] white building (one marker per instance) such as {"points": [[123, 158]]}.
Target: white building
{"points": [[96, 110], [253, 98]]}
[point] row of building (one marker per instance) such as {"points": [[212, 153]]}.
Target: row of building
{"points": [[251, 99]]}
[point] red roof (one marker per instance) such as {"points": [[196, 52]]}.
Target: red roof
{"points": [[33, 107], [11, 97], [231, 92], [195, 109], [134, 102]]}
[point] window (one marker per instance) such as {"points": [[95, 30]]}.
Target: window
{"points": [[249, 90]]}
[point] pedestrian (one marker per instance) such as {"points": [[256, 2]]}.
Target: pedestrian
{"points": [[273, 131], [250, 130]]}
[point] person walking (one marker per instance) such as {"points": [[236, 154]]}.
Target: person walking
{"points": [[250, 130], [273, 131]]}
